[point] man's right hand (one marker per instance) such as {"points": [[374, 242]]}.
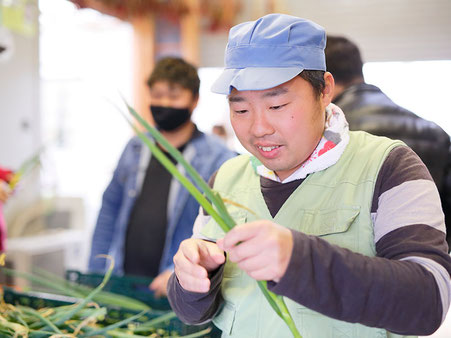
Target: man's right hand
{"points": [[194, 260]]}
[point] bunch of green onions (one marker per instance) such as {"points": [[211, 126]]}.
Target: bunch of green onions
{"points": [[64, 287], [80, 319], [64, 321], [210, 200]]}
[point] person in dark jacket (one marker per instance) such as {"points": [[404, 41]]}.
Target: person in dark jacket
{"points": [[367, 108]]}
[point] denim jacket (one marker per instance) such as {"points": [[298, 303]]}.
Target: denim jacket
{"points": [[205, 153]]}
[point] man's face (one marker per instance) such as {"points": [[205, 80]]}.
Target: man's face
{"points": [[281, 126], [165, 94]]}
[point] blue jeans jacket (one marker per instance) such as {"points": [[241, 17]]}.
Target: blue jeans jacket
{"points": [[205, 153]]}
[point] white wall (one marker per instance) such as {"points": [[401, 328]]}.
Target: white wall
{"points": [[19, 99], [19, 114], [385, 30]]}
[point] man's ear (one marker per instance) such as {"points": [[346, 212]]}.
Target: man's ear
{"points": [[328, 91]]}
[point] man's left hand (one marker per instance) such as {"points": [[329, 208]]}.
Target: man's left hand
{"points": [[261, 248], [160, 283]]}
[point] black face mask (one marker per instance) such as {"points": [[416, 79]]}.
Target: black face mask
{"points": [[168, 118]]}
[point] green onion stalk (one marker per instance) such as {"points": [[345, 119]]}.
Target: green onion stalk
{"points": [[210, 200], [29, 322], [67, 288], [26, 167]]}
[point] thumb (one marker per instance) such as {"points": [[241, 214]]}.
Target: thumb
{"points": [[216, 253], [220, 243], [212, 255], [219, 259]]}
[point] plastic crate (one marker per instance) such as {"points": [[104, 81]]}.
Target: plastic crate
{"points": [[39, 300], [36, 300], [131, 286]]}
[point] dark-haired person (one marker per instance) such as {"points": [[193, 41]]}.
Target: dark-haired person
{"points": [[145, 213], [367, 108], [347, 226]]}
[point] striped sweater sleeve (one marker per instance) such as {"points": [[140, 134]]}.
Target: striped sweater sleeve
{"points": [[406, 288], [418, 235]]}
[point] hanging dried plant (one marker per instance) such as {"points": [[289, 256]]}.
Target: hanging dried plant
{"points": [[127, 9], [216, 14]]}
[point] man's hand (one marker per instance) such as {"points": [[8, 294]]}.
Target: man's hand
{"points": [[261, 248], [160, 283], [194, 260]]}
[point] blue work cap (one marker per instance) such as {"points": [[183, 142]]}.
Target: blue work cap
{"points": [[272, 50]]}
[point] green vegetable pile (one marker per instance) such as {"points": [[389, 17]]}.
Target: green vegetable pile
{"points": [[86, 318]]}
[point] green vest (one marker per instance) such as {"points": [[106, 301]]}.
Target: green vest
{"points": [[334, 204]]}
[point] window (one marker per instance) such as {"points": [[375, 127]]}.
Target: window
{"points": [[420, 86], [86, 60]]}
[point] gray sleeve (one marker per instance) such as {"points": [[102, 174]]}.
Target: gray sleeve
{"points": [[406, 288], [399, 296]]}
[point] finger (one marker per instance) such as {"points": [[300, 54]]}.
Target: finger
{"points": [[240, 233], [245, 250], [253, 264], [153, 285], [156, 283], [220, 243], [213, 249], [190, 250], [182, 264], [265, 273], [212, 255], [192, 284], [219, 259], [160, 292]]}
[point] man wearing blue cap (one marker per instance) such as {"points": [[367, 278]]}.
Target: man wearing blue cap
{"points": [[346, 226]]}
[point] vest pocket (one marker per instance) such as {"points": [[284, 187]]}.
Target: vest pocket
{"points": [[332, 225]]}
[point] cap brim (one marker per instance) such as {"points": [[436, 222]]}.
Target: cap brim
{"points": [[253, 78]]}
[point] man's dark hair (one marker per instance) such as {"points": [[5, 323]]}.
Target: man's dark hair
{"points": [[176, 71], [316, 79], [343, 60]]}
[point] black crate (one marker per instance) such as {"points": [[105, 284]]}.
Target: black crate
{"points": [[130, 286], [39, 300]]}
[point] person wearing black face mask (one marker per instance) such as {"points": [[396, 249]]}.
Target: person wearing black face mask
{"points": [[145, 213], [169, 118]]}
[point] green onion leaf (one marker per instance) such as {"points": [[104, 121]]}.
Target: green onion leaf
{"points": [[219, 214]]}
